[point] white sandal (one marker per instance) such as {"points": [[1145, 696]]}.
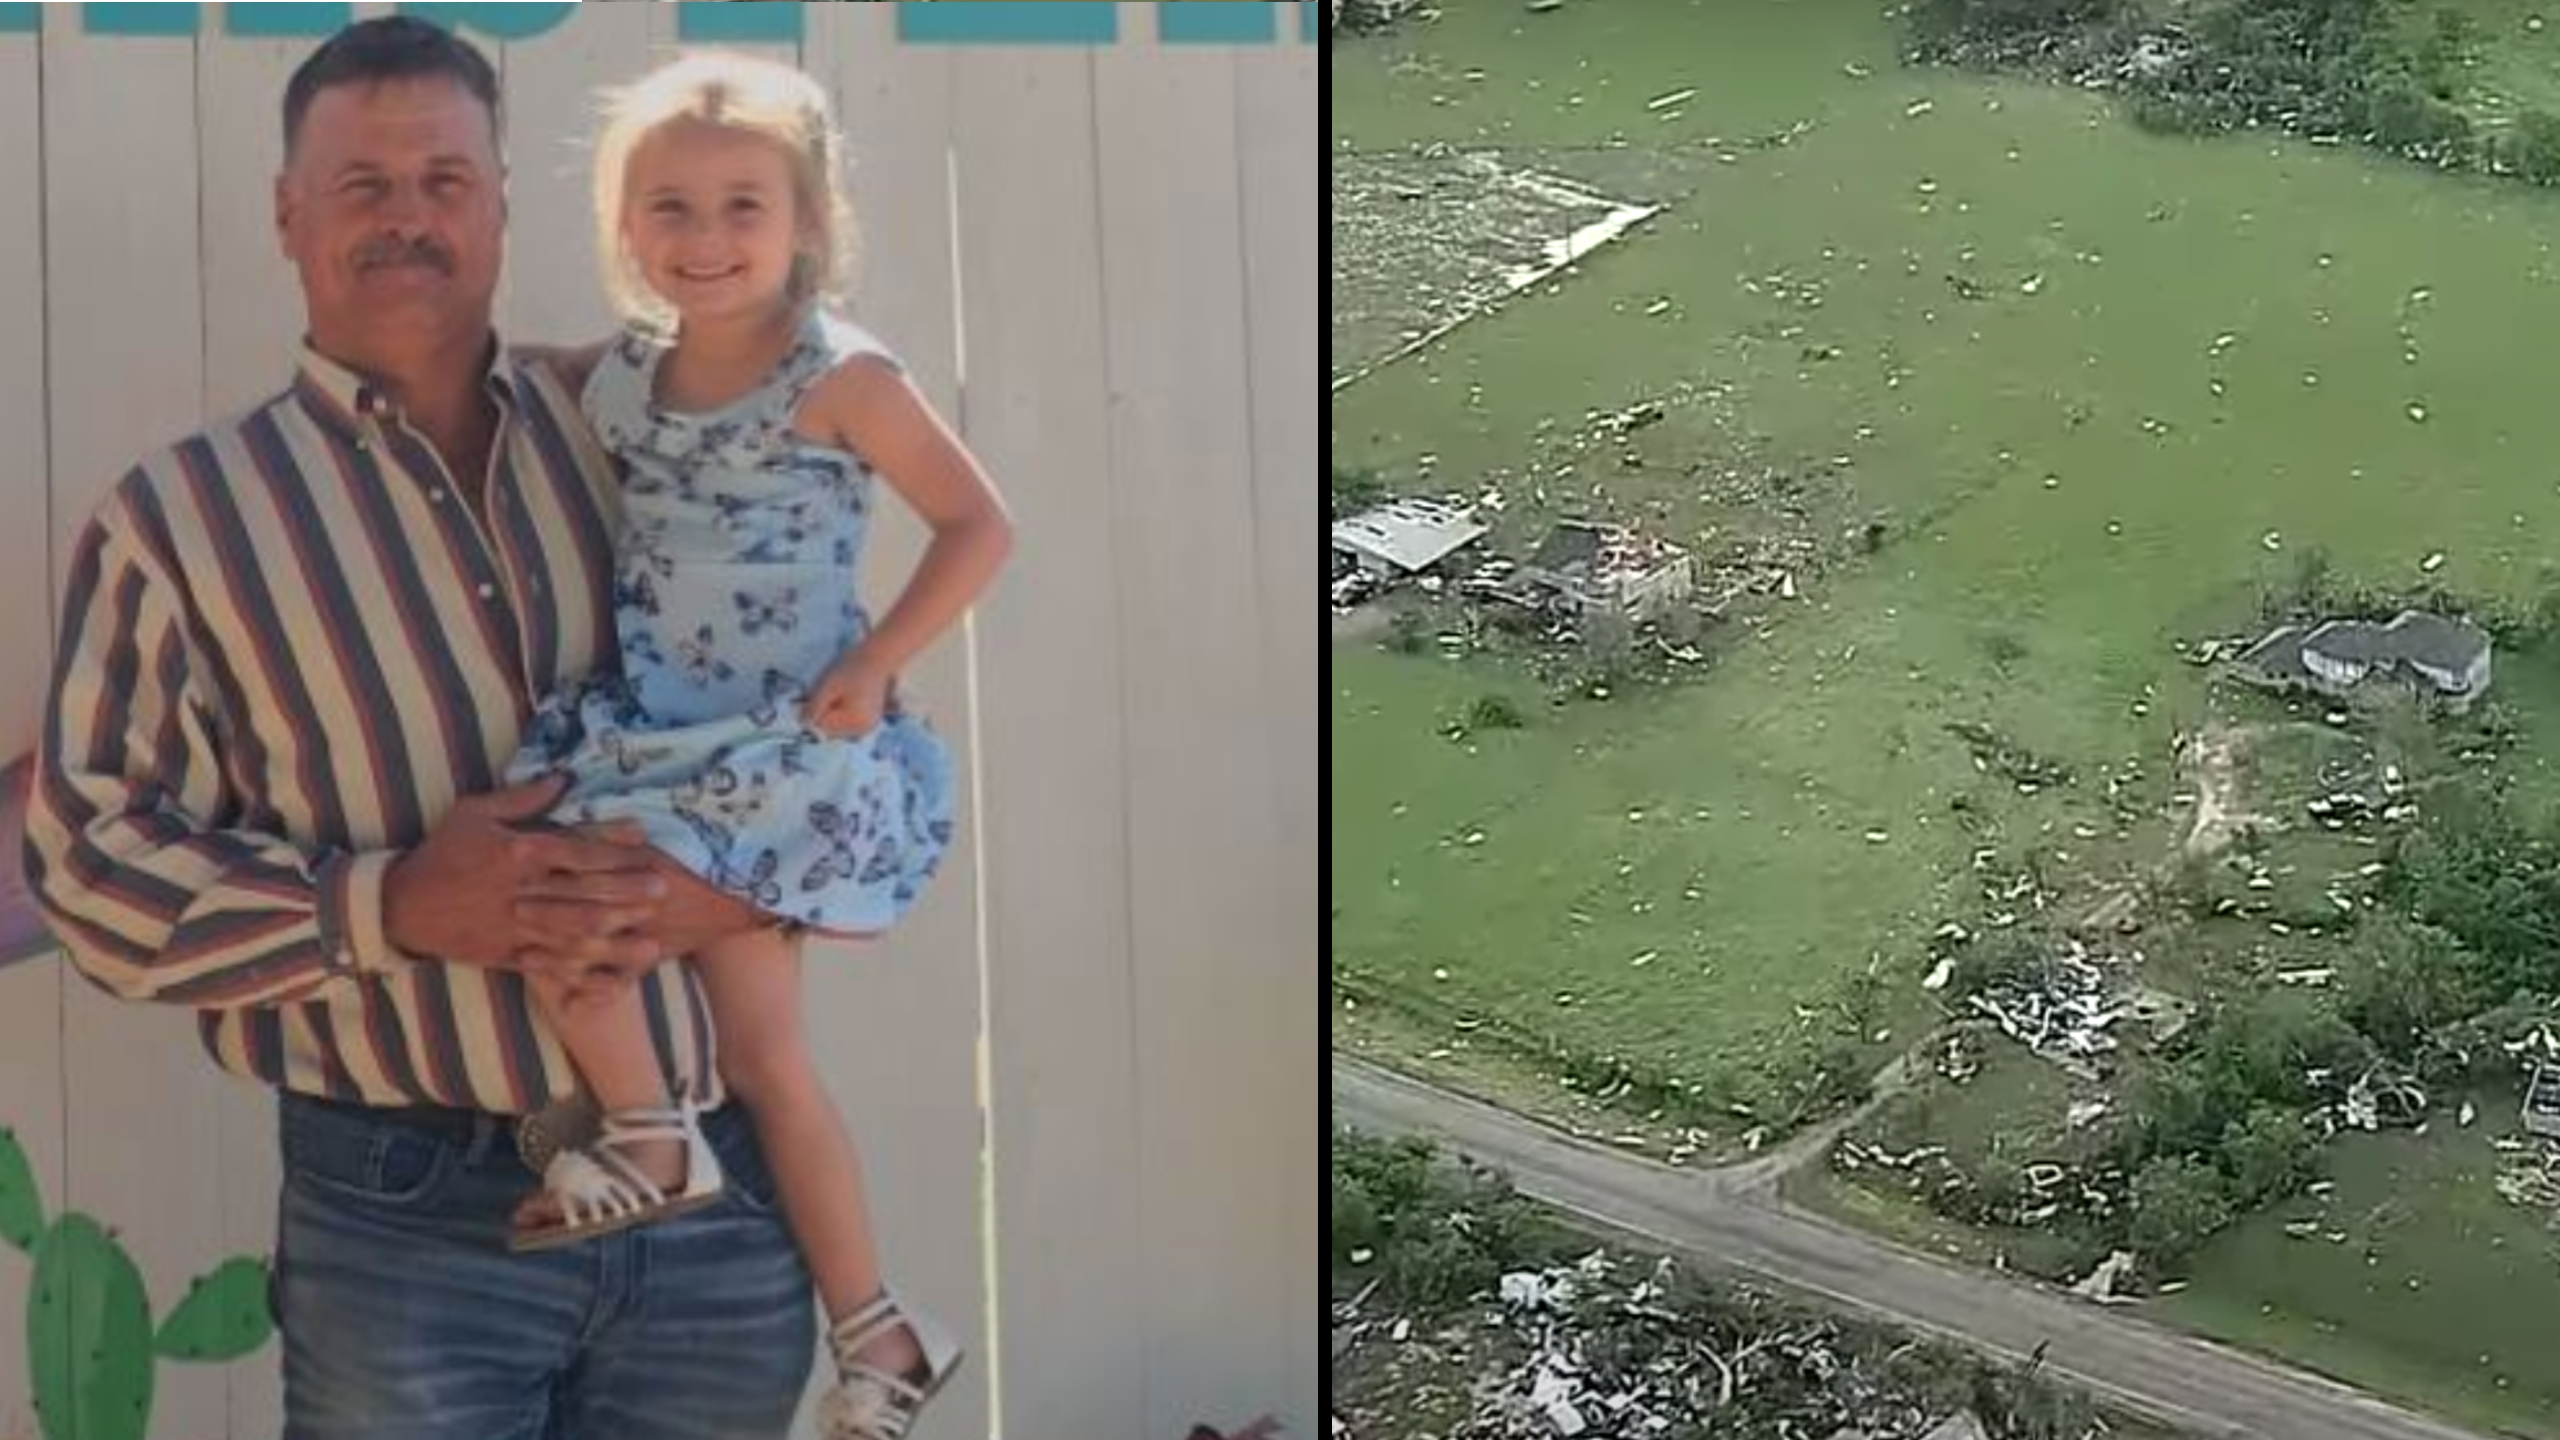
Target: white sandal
{"points": [[600, 1191], [867, 1403]]}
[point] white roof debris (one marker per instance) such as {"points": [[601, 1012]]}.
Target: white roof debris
{"points": [[1409, 534]]}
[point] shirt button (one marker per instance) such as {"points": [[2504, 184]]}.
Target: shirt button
{"points": [[488, 592], [436, 495]]}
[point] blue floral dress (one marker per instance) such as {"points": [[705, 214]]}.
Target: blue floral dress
{"points": [[733, 592]]}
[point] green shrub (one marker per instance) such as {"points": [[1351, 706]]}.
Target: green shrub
{"points": [[2179, 1202], [1437, 1231], [1354, 490], [1947, 28], [1407, 634], [2402, 116], [2532, 148]]}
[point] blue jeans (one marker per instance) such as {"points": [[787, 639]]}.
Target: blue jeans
{"points": [[405, 1316]]}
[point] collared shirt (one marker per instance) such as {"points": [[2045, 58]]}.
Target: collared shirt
{"points": [[288, 645]]}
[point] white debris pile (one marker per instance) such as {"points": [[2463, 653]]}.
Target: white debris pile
{"points": [[2377, 1098], [2064, 1009], [2213, 648], [2341, 808], [2100, 1284], [1858, 1155], [2538, 1045], [1366, 15], [1958, 1059], [1622, 423], [1628, 554], [2529, 1175], [1603, 1356]]}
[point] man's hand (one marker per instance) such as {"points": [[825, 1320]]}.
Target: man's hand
{"points": [[691, 916], [479, 890], [695, 912]]}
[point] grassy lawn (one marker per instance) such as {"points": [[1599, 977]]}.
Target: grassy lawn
{"points": [[2438, 1293], [2434, 1296], [2519, 63]]}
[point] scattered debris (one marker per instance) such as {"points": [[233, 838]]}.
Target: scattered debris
{"points": [[2064, 1010], [1603, 1350], [2380, 1097], [1447, 235], [1959, 1060], [2100, 1284], [1993, 751], [1853, 1155], [2529, 1176], [1369, 15], [1531, 1290]]}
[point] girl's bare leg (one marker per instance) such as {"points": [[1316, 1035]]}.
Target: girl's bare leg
{"points": [[607, 1036], [754, 987]]}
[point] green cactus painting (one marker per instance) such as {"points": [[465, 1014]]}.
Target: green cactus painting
{"points": [[92, 1351]]}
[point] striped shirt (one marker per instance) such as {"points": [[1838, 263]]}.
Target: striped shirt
{"points": [[288, 645]]}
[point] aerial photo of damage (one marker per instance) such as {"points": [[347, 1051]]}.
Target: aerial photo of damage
{"points": [[1945, 711]]}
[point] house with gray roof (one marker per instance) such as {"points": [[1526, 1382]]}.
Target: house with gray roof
{"points": [[2444, 657]]}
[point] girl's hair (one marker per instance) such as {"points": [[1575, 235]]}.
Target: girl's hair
{"points": [[735, 92]]}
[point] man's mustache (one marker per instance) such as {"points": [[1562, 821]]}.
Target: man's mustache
{"points": [[392, 250]]}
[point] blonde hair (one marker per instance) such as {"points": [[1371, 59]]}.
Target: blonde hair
{"points": [[734, 92]]}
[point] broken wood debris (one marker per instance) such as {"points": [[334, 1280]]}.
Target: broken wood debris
{"points": [[1604, 1350]]}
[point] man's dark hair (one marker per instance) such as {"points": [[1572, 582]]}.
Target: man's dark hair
{"points": [[389, 47]]}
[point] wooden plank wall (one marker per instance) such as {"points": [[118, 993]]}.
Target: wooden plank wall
{"points": [[1084, 1076]]}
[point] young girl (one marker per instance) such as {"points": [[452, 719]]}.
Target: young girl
{"points": [[754, 730]]}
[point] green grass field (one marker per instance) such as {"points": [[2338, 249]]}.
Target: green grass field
{"points": [[2434, 1294], [2440, 1291], [2437, 1297], [1757, 788]]}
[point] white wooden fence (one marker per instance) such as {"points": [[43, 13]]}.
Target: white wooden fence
{"points": [[1085, 1074]]}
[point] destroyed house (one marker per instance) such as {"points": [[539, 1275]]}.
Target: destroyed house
{"points": [[1603, 569]]}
